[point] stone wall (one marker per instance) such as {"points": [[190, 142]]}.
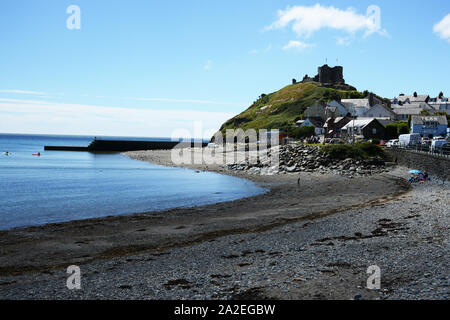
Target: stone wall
{"points": [[435, 165]]}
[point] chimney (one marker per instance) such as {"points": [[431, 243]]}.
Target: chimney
{"points": [[371, 99]]}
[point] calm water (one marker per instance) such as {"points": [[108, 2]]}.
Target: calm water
{"points": [[62, 186]]}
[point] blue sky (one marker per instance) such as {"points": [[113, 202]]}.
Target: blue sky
{"points": [[147, 68]]}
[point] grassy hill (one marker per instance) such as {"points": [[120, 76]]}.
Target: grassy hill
{"points": [[280, 109]]}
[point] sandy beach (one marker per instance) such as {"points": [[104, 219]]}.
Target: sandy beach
{"points": [[309, 241]]}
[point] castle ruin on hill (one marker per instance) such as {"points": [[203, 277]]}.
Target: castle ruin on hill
{"points": [[327, 75]]}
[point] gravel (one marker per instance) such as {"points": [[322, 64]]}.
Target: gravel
{"points": [[324, 258]]}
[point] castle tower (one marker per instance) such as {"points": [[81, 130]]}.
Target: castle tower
{"points": [[331, 75]]}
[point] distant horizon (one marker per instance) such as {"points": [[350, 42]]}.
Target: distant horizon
{"points": [[94, 136]]}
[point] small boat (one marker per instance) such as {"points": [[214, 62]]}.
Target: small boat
{"points": [[37, 154]]}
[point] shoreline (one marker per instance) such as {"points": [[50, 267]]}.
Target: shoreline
{"points": [[53, 246], [309, 242]]}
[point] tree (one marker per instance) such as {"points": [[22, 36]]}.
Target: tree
{"points": [[425, 112], [391, 131], [403, 128]]}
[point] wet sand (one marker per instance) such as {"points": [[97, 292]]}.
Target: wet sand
{"points": [[56, 246]]}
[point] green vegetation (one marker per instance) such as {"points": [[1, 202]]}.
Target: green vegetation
{"points": [[301, 132], [280, 109], [393, 130], [357, 151]]}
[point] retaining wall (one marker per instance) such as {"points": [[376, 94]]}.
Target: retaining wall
{"points": [[433, 164]]}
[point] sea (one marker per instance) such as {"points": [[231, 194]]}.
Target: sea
{"points": [[60, 186]]}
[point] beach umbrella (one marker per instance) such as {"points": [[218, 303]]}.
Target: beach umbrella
{"points": [[415, 171]]}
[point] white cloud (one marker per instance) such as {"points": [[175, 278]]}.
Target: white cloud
{"points": [[208, 65], [36, 116], [442, 28], [307, 20], [163, 100], [294, 44], [24, 92]]}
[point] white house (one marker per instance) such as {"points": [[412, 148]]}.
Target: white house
{"points": [[356, 107], [315, 122], [336, 109], [410, 109], [380, 111], [442, 105]]}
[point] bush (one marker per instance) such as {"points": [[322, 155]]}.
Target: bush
{"points": [[391, 131], [301, 132], [369, 149], [356, 151], [342, 151], [403, 128]]}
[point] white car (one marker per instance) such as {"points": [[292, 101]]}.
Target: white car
{"points": [[436, 145], [392, 143]]}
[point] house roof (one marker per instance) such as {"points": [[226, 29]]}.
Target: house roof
{"points": [[358, 123], [384, 122], [419, 98], [355, 102], [412, 108], [422, 105], [421, 119], [382, 106], [408, 111], [335, 120], [316, 121]]}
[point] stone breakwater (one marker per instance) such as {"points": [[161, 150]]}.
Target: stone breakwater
{"points": [[304, 158]]}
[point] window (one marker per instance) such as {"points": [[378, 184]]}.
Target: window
{"points": [[374, 131]]}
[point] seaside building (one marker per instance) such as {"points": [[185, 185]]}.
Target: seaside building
{"points": [[415, 98], [332, 109], [315, 122], [333, 126], [380, 111], [403, 111], [368, 127], [429, 126]]}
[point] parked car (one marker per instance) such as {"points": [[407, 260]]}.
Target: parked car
{"points": [[392, 143], [409, 140], [426, 143], [436, 145]]}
